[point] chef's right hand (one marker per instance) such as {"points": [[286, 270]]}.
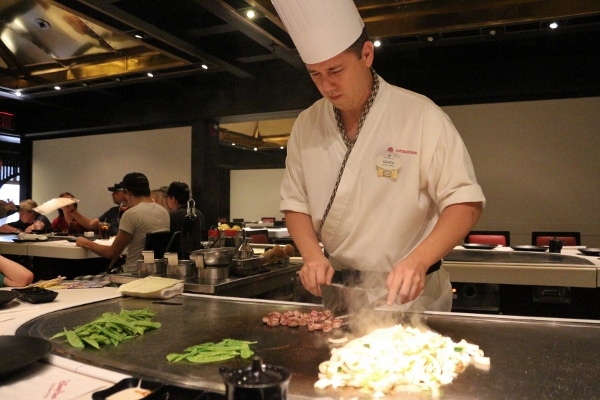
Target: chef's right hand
{"points": [[314, 273]]}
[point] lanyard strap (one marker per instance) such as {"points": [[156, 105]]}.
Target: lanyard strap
{"points": [[349, 143]]}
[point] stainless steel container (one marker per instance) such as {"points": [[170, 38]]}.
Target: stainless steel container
{"points": [[218, 256], [185, 269], [213, 273], [158, 267], [245, 267]]}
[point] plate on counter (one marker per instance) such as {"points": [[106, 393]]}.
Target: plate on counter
{"points": [[528, 247], [129, 388], [479, 246], [19, 352], [590, 251], [6, 296]]}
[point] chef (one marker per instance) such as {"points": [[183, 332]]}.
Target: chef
{"points": [[378, 174]]}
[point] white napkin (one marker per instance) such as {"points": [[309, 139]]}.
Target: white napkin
{"points": [[54, 204], [153, 287], [31, 236]]}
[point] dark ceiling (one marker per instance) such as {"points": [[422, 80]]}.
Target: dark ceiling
{"points": [[210, 61]]}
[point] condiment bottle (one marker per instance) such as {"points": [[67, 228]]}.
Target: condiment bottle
{"points": [[190, 231]]}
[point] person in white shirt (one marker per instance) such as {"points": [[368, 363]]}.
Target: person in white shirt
{"points": [[142, 217], [376, 173]]}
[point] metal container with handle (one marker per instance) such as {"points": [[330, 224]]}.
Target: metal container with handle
{"points": [[218, 256]]}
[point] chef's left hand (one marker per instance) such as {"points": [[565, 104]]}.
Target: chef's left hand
{"points": [[405, 282]]}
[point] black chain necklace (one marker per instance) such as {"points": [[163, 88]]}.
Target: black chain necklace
{"points": [[349, 143], [338, 115]]}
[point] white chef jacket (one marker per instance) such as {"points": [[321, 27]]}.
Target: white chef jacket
{"points": [[375, 221]]}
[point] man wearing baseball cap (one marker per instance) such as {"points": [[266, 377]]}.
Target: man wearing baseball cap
{"points": [[142, 217], [111, 215], [376, 173]]}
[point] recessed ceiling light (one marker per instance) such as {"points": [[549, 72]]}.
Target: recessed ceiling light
{"points": [[251, 14], [18, 93], [256, 149], [553, 25], [430, 39], [56, 87], [150, 75], [204, 66], [377, 43], [138, 36]]}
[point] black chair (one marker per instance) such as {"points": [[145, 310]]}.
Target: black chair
{"points": [[568, 238], [161, 242], [489, 237]]}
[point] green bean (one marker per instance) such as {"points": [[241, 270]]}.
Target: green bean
{"points": [[110, 328], [211, 352], [74, 340]]}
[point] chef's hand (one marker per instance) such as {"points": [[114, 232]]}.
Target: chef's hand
{"points": [[314, 273], [405, 282]]}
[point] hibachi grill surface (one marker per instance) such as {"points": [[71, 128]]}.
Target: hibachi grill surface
{"points": [[530, 358]]}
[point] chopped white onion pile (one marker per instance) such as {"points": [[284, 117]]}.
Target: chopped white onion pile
{"points": [[397, 359]]}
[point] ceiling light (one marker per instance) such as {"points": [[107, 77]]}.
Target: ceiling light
{"points": [[57, 87], [150, 75], [430, 39], [553, 25], [377, 43], [138, 36], [256, 149], [204, 66], [18, 93], [251, 14]]}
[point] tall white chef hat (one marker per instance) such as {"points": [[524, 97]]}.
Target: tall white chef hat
{"points": [[320, 29]]}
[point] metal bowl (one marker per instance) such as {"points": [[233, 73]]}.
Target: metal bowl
{"points": [[212, 257]]}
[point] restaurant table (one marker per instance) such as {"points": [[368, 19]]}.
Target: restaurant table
{"points": [[54, 247], [529, 283], [58, 255], [503, 265], [531, 358], [272, 231]]}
